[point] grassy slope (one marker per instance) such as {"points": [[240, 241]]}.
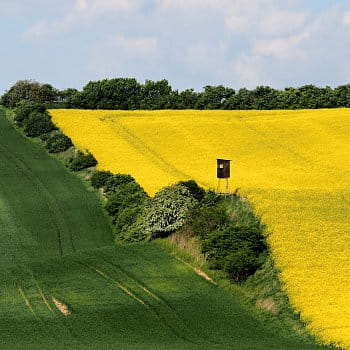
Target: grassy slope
{"points": [[134, 297]]}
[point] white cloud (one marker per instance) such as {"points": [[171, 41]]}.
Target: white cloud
{"points": [[277, 23], [36, 31], [248, 71], [83, 11], [11, 8], [124, 56], [97, 7], [289, 48], [139, 46], [346, 18]]}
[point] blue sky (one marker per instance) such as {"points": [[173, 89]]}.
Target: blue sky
{"points": [[192, 43]]}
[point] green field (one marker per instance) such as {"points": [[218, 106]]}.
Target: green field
{"points": [[56, 245]]}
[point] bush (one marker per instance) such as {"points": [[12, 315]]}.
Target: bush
{"points": [[196, 192], [205, 219], [167, 211], [134, 233], [58, 143], [231, 236], [241, 263], [117, 180], [128, 226], [24, 109], [127, 195], [125, 205], [82, 161], [37, 124], [99, 178]]}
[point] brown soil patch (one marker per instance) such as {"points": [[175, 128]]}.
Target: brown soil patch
{"points": [[197, 271], [61, 307], [267, 304]]}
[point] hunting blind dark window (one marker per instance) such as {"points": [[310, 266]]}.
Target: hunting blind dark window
{"points": [[223, 168]]}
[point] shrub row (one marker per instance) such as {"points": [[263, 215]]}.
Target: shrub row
{"points": [[135, 216], [35, 121]]}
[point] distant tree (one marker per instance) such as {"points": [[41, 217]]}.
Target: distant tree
{"points": [[120, 93], [342, 95], [186, 99], [243, 99], [156, 95], [28, 90], [214, 97]]}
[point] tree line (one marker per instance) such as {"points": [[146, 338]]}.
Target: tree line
{"points": [[129, 94]]}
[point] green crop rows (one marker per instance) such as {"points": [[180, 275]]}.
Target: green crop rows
{"points": [[64, 285]]}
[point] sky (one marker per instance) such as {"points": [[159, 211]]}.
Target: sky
{"points": [[191, 43]]}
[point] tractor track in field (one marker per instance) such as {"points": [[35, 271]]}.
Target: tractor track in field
{"points": [[146, 151], [42, 301], [47, 197], [167, 309], [135, 295]]}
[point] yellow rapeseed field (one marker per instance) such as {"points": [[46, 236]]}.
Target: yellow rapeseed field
{"points": [[293, 165]]}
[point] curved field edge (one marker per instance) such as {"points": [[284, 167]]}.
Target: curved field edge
{"points": [[133, 296], [293, 165]]}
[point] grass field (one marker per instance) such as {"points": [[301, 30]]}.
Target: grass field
{"points": [[293, 165], [64, 285]]}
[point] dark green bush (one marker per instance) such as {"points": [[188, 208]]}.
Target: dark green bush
{"points": [[231, 236], [82, 161], [204, 219], [37, 124], [45, 137], [127, 225], [115, 181], [197, 192], [25, 108], [220, 243], [58, 143], [125, 196], [99, 178], [241, 263]]}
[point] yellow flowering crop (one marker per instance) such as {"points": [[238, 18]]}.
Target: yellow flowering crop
{"points": [[293, 165]]}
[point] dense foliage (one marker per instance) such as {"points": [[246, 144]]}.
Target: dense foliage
{"points": [[99, 178], [82, 161], [123, 93], [129, 94], [58, 143], [28, 90], [33, 118], [231, 236], [125, 202]]}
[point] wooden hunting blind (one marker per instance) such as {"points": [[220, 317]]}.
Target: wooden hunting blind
{"points": [[223, 168]]}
